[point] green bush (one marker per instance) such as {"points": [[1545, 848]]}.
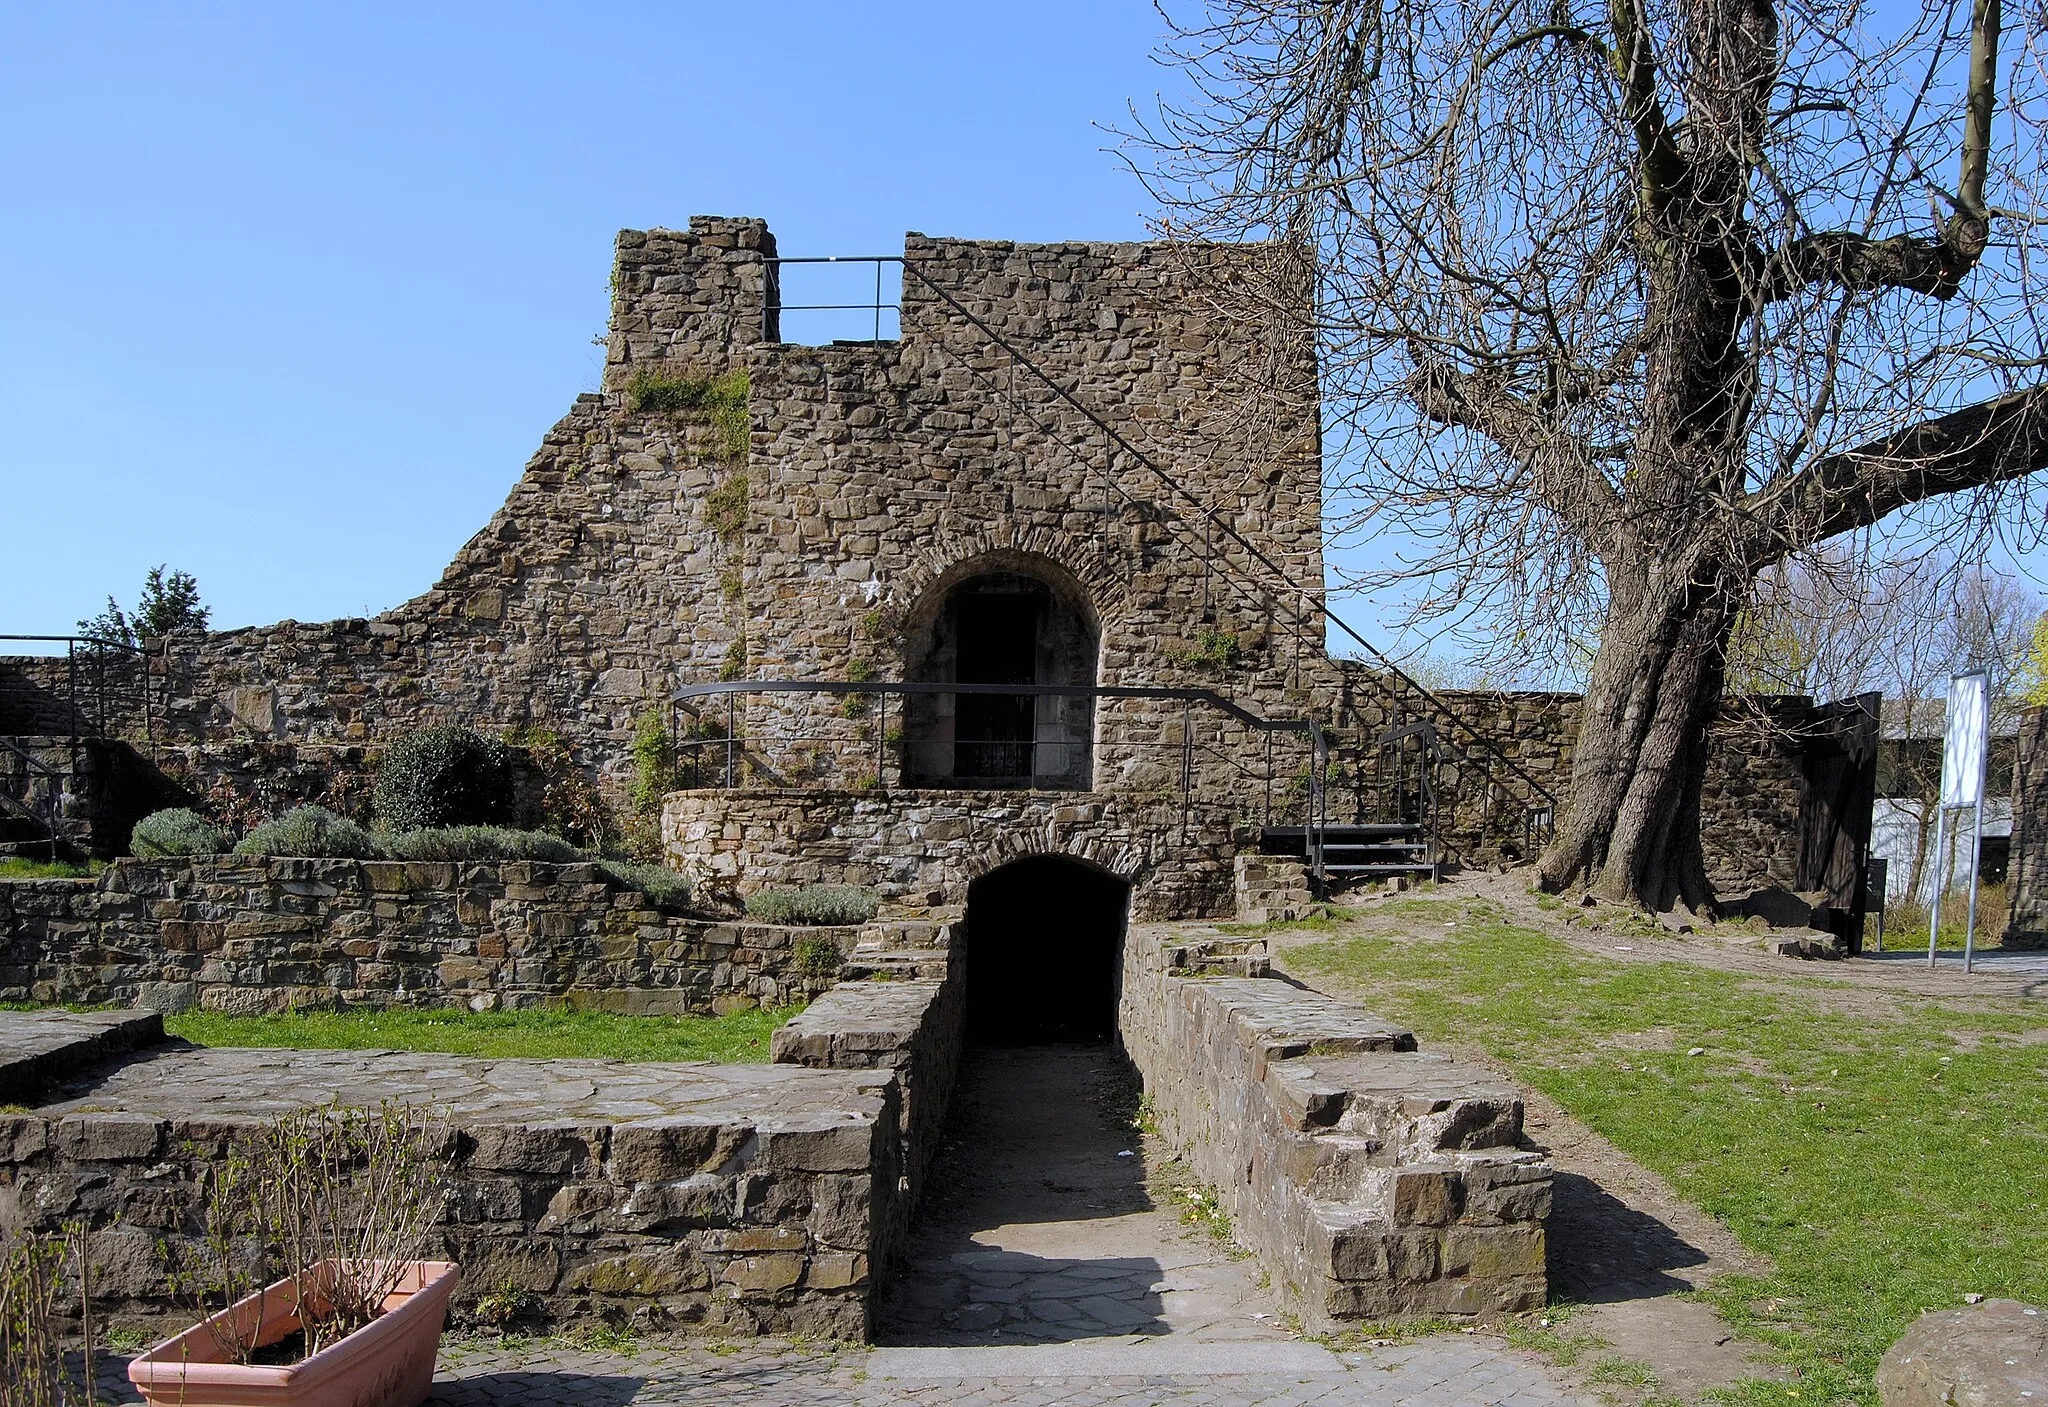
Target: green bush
{"points": [[177, 832], [481, 843], [664, 888], [444, 777], [814, 904], [311, 831], [816, 957]]}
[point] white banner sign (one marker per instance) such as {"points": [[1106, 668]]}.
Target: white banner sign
{"points": [[1963, 742]]}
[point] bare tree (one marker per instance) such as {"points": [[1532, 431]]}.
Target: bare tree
{"points": [[1831, 623], [1624, 300]]}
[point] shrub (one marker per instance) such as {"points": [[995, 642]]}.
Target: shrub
{"points": [[444, 777], [814, 904], [654, 761], [664, 888], [816, 957], [481, 843], [177, 832], [311, 831]]}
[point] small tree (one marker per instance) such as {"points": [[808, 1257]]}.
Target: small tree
{"points": [[170, 603], [110, 626]]}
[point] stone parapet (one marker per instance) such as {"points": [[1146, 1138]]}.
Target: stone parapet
{"points": [[926, 846], [1371, 1179], [678, 1198], [249, 935]]}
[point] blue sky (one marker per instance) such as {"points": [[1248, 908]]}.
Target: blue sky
{"points": [[288, 294]]}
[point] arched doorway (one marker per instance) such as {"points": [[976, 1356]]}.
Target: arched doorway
{"points": [[1007, 619], [1044, 948]]}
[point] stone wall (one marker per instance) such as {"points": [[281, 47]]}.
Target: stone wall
{"points": [[1751, 805], [907, 1016], [100, 786], [636, 553], [675, 1198], [248, 935], [927, 846], [52, 695], [2027, 867], [1370, 1179]]}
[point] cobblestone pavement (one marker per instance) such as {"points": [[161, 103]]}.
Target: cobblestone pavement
{"points": [[1447, 1371]]}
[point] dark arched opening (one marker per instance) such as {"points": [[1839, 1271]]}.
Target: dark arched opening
{"points": [[1044, 947], [1009, 619]]}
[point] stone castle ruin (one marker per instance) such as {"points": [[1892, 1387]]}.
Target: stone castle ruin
{"points": [[1016, 619]]}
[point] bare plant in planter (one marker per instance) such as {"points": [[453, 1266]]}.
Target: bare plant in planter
{"points": [[307, 1272], [32, 1296]]}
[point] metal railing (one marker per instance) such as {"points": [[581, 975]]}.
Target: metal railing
{"points": [[1304, 612], [93, 682], [772, 306], [729, 757]]}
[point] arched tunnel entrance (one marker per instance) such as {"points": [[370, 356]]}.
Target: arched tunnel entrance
{"points": [[1044, 948]]}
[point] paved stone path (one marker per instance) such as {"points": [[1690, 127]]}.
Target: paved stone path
{"points": [[1449, 1371], [1046, 1220]]}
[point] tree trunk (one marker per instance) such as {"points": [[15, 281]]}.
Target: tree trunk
{"points": [[1631, 828]]}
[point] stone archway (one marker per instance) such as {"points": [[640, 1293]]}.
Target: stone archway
{"points": [[1003, 618], [1044, 952]]}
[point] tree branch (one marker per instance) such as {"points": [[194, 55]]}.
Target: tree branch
{"points": [[1560, 465], [1855, 262], [1987, 443]]}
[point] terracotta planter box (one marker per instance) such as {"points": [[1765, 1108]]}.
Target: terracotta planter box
{"points": [[389, 1362]]}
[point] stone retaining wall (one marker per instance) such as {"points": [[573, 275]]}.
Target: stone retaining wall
{"points": [[677, 1198], [1370, 1179], [927, 846], [247, 935], [907, 1017]]}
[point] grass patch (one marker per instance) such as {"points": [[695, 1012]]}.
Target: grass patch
{"points": [[1886, 1166], [738, 1038], [14, 867]]}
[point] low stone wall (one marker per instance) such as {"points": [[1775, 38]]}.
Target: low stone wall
{"points": [[247, 935], [1370, 1179], [743, 1199], [927, 846], [907, 1017]]}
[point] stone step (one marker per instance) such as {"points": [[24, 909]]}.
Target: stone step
{"points": [[921, 964]]}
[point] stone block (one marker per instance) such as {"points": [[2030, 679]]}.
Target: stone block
{"points": [[837, 1270], [1425, 1196], [109, 1137], [672, 1149], [763, 1274], [846, 1147], [1993, 1354], [526, 1148], [1494, 1252], [662, 1271]]}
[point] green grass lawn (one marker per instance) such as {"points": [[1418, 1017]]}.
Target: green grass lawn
{"points": [[15, 867], [737, 1038], [1886, 1163]]}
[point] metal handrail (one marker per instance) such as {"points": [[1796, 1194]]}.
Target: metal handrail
{"points": [[732, 689], [1319, 608], [52, 822]]}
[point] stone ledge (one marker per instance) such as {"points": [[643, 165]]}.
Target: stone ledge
{"points": [[37, 1047]]}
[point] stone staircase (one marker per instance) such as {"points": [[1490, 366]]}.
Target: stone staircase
{"points": [[1271, 888], [914, 948]]}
